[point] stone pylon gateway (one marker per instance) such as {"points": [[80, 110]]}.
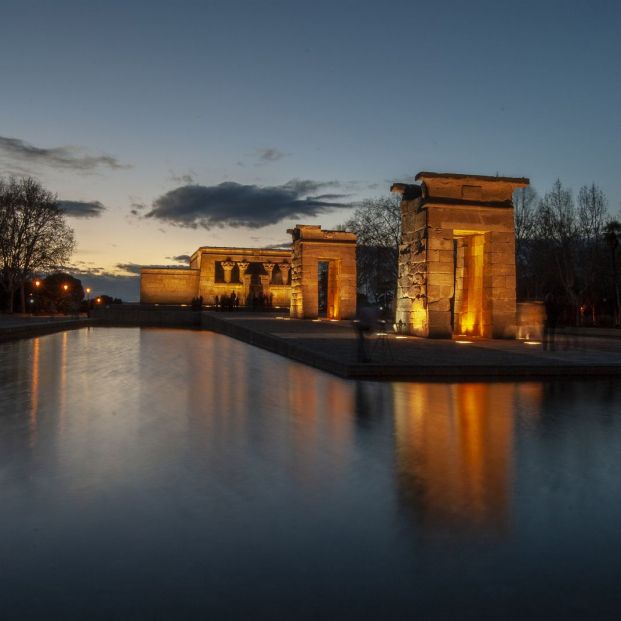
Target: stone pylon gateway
{"points": [[336, 250], [457, 256]]}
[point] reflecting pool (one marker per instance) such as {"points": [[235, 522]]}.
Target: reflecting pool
{"points": [[169, 474]]}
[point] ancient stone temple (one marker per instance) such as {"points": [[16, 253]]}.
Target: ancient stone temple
{"points": [[316, 277], [331, 254], [247, 272], [457, 256]]}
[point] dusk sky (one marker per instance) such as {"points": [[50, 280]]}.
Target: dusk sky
{"points": [[167, 126]]}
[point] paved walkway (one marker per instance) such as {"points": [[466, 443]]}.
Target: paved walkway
{"points": [[333, 347]]}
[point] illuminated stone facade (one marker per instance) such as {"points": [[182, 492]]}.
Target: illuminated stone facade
{"points": [[288, 278], [215, 272], [457, 256], [337, 251]]}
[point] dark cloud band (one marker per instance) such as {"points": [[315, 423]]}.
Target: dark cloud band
{"points": [[234, 204], [81, 209], [57, 157]]}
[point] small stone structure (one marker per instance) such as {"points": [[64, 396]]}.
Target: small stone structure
{"points": [[312, 246], [457, 256], [221, 271]]}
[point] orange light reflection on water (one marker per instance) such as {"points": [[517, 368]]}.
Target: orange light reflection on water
{"points": [[34, 389], [454, 452]]}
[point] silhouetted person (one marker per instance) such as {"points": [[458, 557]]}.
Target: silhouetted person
{"points": [[367, 319], [549, 325], [233, 299], [217, 302]]}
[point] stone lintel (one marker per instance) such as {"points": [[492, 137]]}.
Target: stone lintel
{"points": [[462, 189], [168, 270], [519, 181], [313, 232], [254, 254]]}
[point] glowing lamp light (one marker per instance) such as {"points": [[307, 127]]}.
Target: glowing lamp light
{"points": [[98, 300], [65, 287], [532, 342], [37, 283], [88, 289], [464, 342]]}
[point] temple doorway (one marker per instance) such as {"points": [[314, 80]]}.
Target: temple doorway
{"points": [[323, 271], [457, 256], [469, 309]]}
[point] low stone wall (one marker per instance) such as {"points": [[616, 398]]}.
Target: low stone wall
{"points": [[147, 315], [530, 318]]}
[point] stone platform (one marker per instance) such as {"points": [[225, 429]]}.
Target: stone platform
{"points": [[332, 346]]}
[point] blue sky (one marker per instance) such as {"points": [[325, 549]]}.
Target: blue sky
{"points": [[127, 103]]}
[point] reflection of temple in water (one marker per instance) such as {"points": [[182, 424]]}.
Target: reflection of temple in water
{"points": [[454, 453]]}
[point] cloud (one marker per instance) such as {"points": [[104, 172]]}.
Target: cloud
{"points": [[180, 258], [66, 157], [233, 204], [82, 209], [136, 207], [187, 178], [270, 154]]}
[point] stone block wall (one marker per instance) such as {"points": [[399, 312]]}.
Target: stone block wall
{"points": [[457, 256], [168, 286], [237, 261], [530, 319], [440, 281], [338, 248], [411, 306], [499, 282]]}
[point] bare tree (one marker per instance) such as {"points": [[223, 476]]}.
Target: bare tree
{"points": [[592, 210], [33, 234], [612, 233], [378, 225], [557, 234], [590, 248], [524, 211], [524, 203]]}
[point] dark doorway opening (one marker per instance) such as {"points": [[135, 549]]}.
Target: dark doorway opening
{"points": [[323, 269], [452, 300]]}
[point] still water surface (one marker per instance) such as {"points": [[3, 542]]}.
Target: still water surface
{"points": [[168, 474]]}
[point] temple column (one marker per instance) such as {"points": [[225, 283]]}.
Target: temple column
{"points": [[242, 266], [266, 281], [284, 271], [227, 267]]}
